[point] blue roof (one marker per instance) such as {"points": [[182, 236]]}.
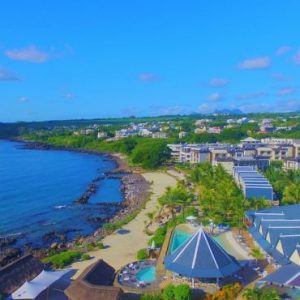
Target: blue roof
{"points": [[277, 224], [276, 232], [280, 225], [201, 257], [289, 243], [283, 275]]}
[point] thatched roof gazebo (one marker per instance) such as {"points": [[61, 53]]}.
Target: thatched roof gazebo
{"points": [[13, 275], [95, 283]]}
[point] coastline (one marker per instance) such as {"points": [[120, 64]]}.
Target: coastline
{"points": [[121, 246], [135, 191]]}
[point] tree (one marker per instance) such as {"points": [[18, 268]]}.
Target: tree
{"points": [[261, 294], [182, 292], [150, 154], [291, 194], [168, 292], [176, 196]]}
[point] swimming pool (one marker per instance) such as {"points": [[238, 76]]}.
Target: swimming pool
{"points": [[178, 238], [147, 274]]}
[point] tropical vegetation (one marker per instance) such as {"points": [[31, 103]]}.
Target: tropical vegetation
{"points": [[171, 292], [220, 199], [261, 294], [62, 259], [286, 184]]}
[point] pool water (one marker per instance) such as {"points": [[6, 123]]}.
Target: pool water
{"points": [[147, 274], [178, 238]]}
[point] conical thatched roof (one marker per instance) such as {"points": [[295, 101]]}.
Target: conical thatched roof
{"points": [[16, 273], [95, 283]]}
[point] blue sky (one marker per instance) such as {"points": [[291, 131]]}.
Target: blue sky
{"points": [[89, 59]]}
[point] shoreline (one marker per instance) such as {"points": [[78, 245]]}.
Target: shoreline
{"points": [[134, 187], [120, 247]]}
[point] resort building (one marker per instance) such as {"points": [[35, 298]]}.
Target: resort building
{"points": [[201, 257], [13, 275], [276, 231], [96, 282], [253, 184], [292, 164]]}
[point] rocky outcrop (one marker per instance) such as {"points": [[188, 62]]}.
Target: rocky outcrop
{"points": [[9, 255]]}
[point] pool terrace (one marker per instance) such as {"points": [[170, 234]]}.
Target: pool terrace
{"points": [[139, 276]]}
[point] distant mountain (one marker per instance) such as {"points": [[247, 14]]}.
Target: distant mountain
{"points": [[227, 111]]}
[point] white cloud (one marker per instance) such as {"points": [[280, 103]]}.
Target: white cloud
{"points": [[218, 82], [148, 77], [297, 58], [29, 54], [206, 108], [23, 99], [256, 63], [69, 95], [283, 50], [286, 91], [215, 97], [170, 110]]}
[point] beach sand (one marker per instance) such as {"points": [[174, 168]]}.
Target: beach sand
{"points": [[122, 248], [233, 247]]}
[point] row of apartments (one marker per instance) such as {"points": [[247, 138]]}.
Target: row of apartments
{"points": [[250, 152], [252, 183]]}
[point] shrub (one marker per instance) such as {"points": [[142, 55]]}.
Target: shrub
{"points": [[90, 247], [62, 259], [159, 236], [142, 254], [100, 245], [85, 256], [182, 292], [168, 292]]}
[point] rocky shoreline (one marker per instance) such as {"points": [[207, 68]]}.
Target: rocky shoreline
{"points": [[135, 190]]}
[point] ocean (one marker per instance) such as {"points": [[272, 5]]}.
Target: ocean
{"points": [[38, 189]]}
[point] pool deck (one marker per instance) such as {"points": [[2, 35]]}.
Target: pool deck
{"points": [[130, 285]]}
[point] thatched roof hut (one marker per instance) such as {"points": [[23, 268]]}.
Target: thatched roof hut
{"points": [[13, 275], [95, 283]]}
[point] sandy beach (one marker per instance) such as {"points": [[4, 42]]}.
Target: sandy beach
{"points": [[122, 247]]}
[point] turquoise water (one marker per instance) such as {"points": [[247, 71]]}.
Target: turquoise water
{"points": [[38, 189], [147, 274], [294, 293], [178, 238]]}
